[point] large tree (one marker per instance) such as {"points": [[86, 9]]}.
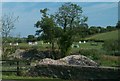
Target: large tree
{"points": [[68, 16], [46, 27]]}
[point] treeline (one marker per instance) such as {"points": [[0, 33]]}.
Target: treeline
{"points": [[81, 32]]}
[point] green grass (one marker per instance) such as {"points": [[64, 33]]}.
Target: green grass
{"points": [[107, 60], [105, 36], [13, 77], [87, 45]]}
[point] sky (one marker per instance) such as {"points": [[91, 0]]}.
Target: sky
{"points": [[60, 0], [98, 13]]}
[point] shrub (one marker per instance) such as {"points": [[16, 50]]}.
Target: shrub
{"points": [[93, 54], [112, 46], [7, 50], [65, 43]]}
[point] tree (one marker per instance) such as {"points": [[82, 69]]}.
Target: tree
{"points": [[110, 28], [118, 25], [82, 30], [46, 26], [112, 47], [8, 24], [93, 30], [68, 16], [31, 38]]}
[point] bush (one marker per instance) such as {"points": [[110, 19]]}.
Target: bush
{"points": [[7, 50], [65, 43], [112, 46], [93, 54]]}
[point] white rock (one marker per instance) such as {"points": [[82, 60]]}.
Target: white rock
{"points": [[70, 60]]}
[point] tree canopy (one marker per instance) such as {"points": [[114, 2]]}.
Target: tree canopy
{"points": [[68, 17]]}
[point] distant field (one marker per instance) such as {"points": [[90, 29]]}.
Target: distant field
{"points": [[87, 45], [105, 36], [102, 36]]}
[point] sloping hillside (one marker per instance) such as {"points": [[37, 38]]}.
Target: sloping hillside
{"points": [[105, 36]]}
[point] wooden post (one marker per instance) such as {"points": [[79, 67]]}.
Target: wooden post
{"points": [[18, 72]]}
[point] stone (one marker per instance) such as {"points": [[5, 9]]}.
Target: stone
{"points": [[18, 54], [70, 60], [51, 61], [79, 60]]}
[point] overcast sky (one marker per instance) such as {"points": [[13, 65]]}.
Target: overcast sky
{"points": [[98, 13]]}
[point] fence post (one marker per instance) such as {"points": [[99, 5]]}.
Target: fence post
{"points": [[18, 69]]}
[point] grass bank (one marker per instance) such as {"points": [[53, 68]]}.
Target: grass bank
{"points": [[26, 78]]}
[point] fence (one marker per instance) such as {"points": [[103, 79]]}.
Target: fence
{"points": [[12, 66]]}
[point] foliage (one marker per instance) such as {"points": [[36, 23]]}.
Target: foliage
{"points": [[68, 16], [93, 54], [110, 28], [118, 25], [112, 47], [7, 51], [47, 28], [46, 25], [65, 43], [93, 30], [31, 38], [108, 60]]}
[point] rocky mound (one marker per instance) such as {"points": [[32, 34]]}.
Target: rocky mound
{"points": [[53, 62], [70, 60]]}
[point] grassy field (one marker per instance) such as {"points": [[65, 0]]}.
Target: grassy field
{"points": [[87, 45], [105, 36], [101, 36]]}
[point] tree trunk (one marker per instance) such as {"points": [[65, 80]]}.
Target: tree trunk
{"points": [[53, 50]]}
